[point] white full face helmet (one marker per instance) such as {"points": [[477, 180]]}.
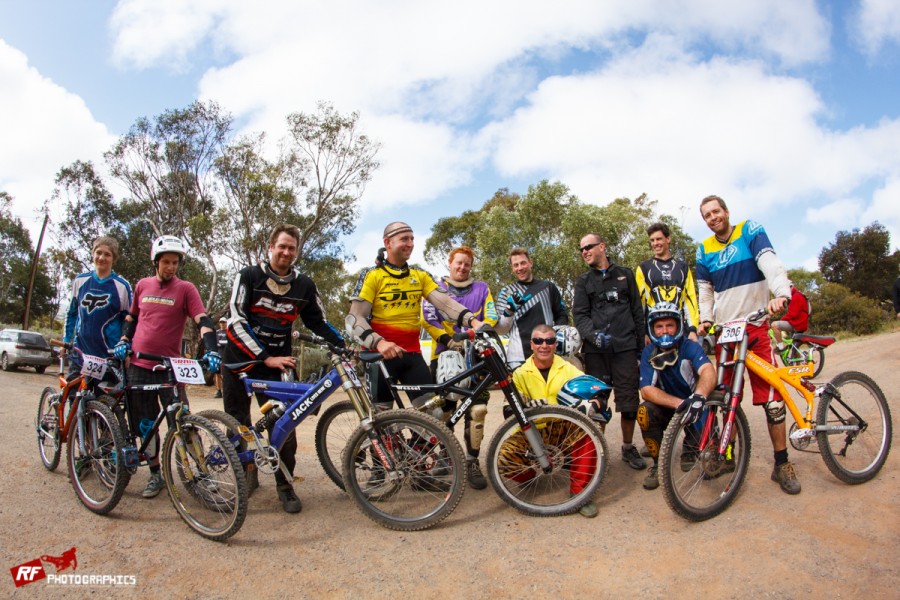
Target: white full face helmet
{"points": [[451, 363], [568, 340]]}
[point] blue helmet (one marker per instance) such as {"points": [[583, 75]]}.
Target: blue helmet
{"points": [[664, 310], [588, 395]]}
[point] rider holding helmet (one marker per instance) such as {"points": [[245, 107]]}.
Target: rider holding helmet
{"points": [[446, 360], [155, 325], [547, 378], [676, 375]]}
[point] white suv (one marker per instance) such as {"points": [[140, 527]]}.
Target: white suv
{"points": [[24, 348]]}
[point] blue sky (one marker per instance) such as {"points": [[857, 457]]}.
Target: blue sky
{"points": [[788, 110]]}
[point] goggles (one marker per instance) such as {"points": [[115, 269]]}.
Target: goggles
{"points": [[660, 359]]}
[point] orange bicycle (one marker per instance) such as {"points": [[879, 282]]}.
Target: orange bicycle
{"points": [[90, 430], [703, 466]]}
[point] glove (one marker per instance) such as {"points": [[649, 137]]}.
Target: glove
{"points": [[602, 340], [514, 302], [213, 361], [122, 349], [692, 407], [456, 345], [535, 403]]}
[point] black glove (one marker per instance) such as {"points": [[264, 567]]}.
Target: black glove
{"points": [[692, 407]]}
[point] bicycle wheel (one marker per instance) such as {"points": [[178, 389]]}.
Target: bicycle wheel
{"points": [[204, 478], [696, 484], [578, 454], [333, 431], [47, 426], [428, 478], [227, 425], [96, 461], [854, 456]]}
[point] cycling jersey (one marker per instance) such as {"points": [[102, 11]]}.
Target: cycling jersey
{"points": [[543, 306], [668, 280], [96, 312], [161, 309], [734, 278], [396, 296], [475, 296], [680, 379]]}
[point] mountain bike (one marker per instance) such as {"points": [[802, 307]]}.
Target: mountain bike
{"points": [[800, 349], [543, 460], [200, 467], [703, 467], [94, 440], [410, 495]]}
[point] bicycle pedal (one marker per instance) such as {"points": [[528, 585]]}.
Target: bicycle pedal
{"points": [[132, 458], [246, 434], [801, 434], [298, 478]]}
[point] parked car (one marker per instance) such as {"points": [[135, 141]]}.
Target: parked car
{"points": [[24, 348], [709, 344]]}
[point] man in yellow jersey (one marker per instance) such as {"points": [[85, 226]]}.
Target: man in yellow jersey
{"points": [[385, 311]]}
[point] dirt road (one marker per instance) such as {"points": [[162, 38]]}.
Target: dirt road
{"points": [[833, 540]]}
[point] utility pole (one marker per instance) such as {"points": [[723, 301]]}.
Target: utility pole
{"points": [[26, 317]]}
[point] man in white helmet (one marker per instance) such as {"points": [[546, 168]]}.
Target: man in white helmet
{"points": [[155, 325]]}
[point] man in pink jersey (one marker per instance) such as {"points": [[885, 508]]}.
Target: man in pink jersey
{"points": [[155, 325]]}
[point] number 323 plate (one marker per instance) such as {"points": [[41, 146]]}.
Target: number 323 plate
{"points": [[187, 370]]}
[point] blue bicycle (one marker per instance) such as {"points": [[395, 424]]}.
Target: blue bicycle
{"points": [[420, 475]]}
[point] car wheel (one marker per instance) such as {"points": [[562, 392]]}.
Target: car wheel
{"points": [[4, 362], [707, 347], [40, 370]]}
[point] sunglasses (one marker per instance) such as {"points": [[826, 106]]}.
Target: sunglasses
{"points": [[589, 246], [539, 341]]}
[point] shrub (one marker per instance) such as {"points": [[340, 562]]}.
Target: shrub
{"points": [[836, 308]]}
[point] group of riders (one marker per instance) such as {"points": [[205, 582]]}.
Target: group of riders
{"points": [[635, 331]]}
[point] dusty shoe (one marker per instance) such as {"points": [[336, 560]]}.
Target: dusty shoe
{"points": [[785, 476], [589, 510], [289, 500], [651, 481], [633, 458], [474, 476], [154, 486], [218, 394], [688, 460], [423, 482]]}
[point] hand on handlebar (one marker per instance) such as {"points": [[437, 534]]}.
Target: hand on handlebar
{"points": [[777, 305], [388, 349]]}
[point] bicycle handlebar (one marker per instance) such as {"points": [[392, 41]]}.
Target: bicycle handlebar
{"points": [[320, 341]]}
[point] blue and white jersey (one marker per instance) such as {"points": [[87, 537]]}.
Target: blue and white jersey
{"points": [[739, 272], [680, 379], [96, 312]]}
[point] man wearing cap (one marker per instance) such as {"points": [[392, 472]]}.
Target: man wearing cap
{"points": [[385, 314]]}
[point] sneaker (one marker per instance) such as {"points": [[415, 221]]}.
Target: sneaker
{"points": [[474, 475], [422, 482], [785, 476], [218, 394], [154, 486], [441, 466], [651, 481], [289, 500], [633, 458], [688, 460], [588, 511]]}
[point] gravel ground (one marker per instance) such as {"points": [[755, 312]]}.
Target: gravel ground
{"points": [[833, 540]]}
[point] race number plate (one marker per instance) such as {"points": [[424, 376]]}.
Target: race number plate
{"points": [[93, 366], [187, 370], [351, 373], [733, 331]]}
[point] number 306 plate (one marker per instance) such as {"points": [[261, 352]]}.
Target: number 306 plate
{"points": [[732, 331], [187, 370]]}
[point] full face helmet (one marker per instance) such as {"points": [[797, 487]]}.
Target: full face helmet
{"points": [[664, 310], [568, 340], [165, 244], [588, 395], [450, 364]]}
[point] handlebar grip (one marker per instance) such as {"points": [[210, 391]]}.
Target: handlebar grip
{"points": [[148, 356], [61, 344], [305, 337], [463, 336]]}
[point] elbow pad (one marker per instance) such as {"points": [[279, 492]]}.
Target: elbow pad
{"points": [[205, 321], [129, 327], [361, 332]]}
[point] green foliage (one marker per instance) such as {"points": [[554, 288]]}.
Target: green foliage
{"points": [[806, 281], [837, 308], [862, 261], [15, 270]]}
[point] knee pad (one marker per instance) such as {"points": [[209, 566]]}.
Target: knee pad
{"points": [[643, 418], [774, 411], [631, 415], [476, 427]]}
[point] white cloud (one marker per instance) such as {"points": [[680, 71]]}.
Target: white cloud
{"points": [[842, 213], [877, 23], [44, 128]]}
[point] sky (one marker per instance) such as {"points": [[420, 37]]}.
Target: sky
{"points": [[790, 111]]}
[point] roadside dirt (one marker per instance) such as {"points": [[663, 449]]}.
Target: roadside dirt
{"points": [[833, 540]]}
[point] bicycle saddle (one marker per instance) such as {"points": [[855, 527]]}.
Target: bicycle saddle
{"points": [[821, 340]]}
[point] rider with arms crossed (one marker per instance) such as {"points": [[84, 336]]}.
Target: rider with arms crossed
{"points": [[736, 269], [675, 375], [265, 301], [155, 325], [475, 296]]}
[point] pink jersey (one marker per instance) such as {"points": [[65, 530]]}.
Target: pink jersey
{"points": [[160, 310]]}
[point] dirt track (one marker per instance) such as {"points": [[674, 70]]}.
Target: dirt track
{"points": [[833, 540]]}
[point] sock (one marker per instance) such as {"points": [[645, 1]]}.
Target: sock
{"points": [[781, 457]]}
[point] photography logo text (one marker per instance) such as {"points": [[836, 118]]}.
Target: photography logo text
{"points": [[36, 570]]}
